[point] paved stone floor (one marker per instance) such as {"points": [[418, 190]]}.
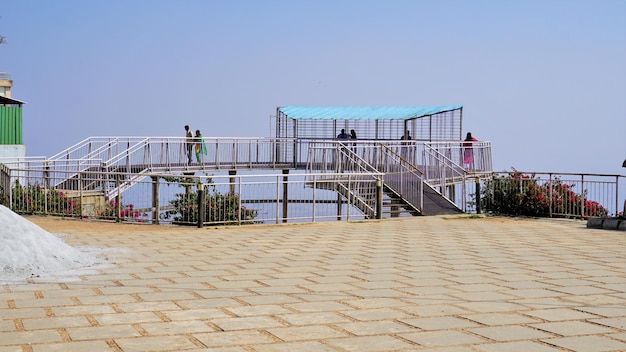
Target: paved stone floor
{"points": [[417, 284]]}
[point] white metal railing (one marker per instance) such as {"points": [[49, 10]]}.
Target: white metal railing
{"points": [[398, 174], [403, 178], [473, 157], [338, 158], [403, 161], [163, 198], [445, 176], [554, 194]]}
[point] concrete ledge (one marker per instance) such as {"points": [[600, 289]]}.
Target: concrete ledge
{"points": [[607, 224]]}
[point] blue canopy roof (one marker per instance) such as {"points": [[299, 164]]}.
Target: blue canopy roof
{"points": [[364, 112]]}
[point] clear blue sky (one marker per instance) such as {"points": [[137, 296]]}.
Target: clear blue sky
{"points": [[543, 80]]}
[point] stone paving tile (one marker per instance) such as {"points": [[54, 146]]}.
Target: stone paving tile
{"points": [[102, 332], [16, 348], [80, 346], [372, 344], [573, 328], [308, 332], [206, 303], [383, 327], [440, 323], [307, 346], [510, 333], [517, 346], [496, 319], [435, 310], [22, 313], [270, 299], [381, 302], [617, 323], [249, 311], [132, 307], [81, 310], [7, 325], [608, 311], [559, 314], [54, 323], [26, 337], [376, 314], [588, 343], [106, 299], [313, 318], [155, 343], [321, 306], [121, 318], [442, 338], [176, 327], [246, 323]]}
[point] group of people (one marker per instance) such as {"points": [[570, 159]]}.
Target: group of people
{"points": [[343, 135], [194, 143]]}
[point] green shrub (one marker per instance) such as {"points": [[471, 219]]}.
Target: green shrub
{"points": [[220, 208]]}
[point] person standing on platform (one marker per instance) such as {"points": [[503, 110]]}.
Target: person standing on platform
{"points": [[200, 146], [468, 151], [188, 143], [343, 135], [354, 138]]}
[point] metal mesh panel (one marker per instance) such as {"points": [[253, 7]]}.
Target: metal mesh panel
{"points": [[443, 126]]}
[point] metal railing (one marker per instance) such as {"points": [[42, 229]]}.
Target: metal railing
{"points": [[339, 161], [473, 157], [398, 175], [97, 163], [170, 153], [553, 194], [167, 198]]}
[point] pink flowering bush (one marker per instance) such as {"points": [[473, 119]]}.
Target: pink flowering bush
{"points": [[110, 211], [35, 199], [520, 194]]}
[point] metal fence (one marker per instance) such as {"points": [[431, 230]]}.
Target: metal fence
{"points": [[173, 199], [170, 153], [550, 194]]}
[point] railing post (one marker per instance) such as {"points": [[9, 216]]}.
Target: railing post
{"points": [[285, 194], [617, 198], [550, 195], [478, 205], [201, 206], [582, 196], [156, 205], [118, 197], [379, 199], [81, 195]]}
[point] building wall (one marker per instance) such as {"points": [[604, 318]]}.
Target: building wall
{"points": [[5, 85], [10, 125], [12, 151]]}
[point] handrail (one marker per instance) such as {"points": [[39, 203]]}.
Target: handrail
{"points": [[441, 171], [342, 160], [406, 181], [473, 157]]}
